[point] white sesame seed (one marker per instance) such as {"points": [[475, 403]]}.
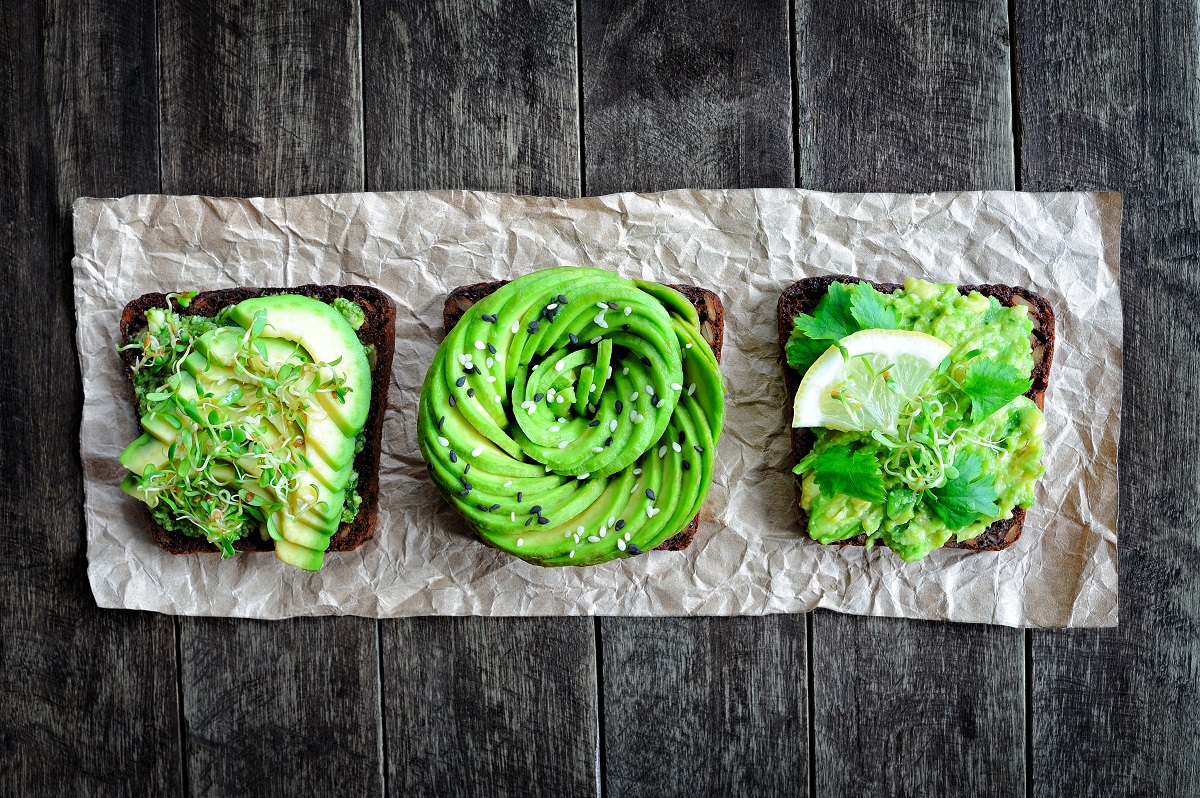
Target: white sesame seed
{"points": [[491, 378], [550, 394], [609, 377], [597, 449], [650, 390], [612, 425], [567, 534], [595, 340], [637, 472], [520, 541], [552, 306], [593, 539], [488, 362], [562, 421], [497, 397], [469, 356], [691, 389], [634, 397], [462, 359], [635, 416], [562, 444], [600, 322], [662, 452], [580, 531], [689, 346], [577, 538], [676, 386], [527, 403], [513, 516], [620, 544], [628, 310], [611, 520], [633, 490], [555, 428], [627, 535], [559, 365], [532, 409], [443, 441], [676, 446], [592, 388], [478, 450], [508, 484], [625, 371], [602, 306], [498, 360], [480, 345], [516, 328], [652, 511], [603, 530], [559, 399], [547, 469], [582, 477], [572, 554]]}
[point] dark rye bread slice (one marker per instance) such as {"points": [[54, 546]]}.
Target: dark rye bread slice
{"points": [[802, 297], [378, 330], [712, 326]]}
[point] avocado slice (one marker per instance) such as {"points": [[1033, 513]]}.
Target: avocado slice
{"points": [[144, 452], [299, 556], [327, 337]]}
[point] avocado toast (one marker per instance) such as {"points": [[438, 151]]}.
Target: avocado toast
{"points": [[571, 416], [282, 394], [981, 405]]}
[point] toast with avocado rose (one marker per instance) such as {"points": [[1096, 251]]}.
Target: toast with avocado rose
{"points": [[261, 412], [917, 413]]}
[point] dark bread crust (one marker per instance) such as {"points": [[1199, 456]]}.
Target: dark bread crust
{"points": [[712, 325], [379, 329], [802, 296]]}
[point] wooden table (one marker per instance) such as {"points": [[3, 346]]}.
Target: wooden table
{"points": [[550, 97]]}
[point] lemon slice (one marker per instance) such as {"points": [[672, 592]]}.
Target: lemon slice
{"points": [[885, 371]]}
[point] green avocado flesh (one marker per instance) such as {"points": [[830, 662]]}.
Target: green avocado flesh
{"points": [[251, 426], [1005, 447], [572, 416]]}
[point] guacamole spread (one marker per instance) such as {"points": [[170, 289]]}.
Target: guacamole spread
{"points": [[965, 448]]}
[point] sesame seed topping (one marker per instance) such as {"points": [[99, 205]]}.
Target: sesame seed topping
{"points": [[580, 530], [496, 397], [597, 449], [600, 322], [461, 381], [562, 444], [491, 378], [490, 318], [453, 402], [562, 300], [537, 397], [507, 484], [652, 511], [551, 306], [620, 544], [441, 421], [478, 450], [463, 492], [650, 390], [574, 338], [592, 388], [567, 534], [634, 396], [628, 536], [595, 340], [453, 456], [479, 344], [645, 360], [519, 495], [520, 541], [559, 366], [467, 468], [562, 421], [532, 409], [691, 389], [528, 521], [628, 310], [535, 509], [620, 408], [633, 490], [676, 386], [676, 447], [559, 399], [516, 327], [583, 476], [625, 327], [481, 507], [512, 517], [471, 393], [533, 327], [634, 549], [493, 508], [443, 441], [593, 539], [491, 349], [699, 448], [650, 494], [662, 452], [686, 465], [543, 520], [603, 530], [555, 428], [608, 441], [594, 423], [637, 472], [625, 371], [489, 362], [689, 346], [572, 554]]}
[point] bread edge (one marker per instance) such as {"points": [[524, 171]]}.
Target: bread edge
{"points": [[707, 304], [379, 328], [802, 296]]}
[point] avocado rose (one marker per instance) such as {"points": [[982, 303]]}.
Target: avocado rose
{"points": [[572, 416]]}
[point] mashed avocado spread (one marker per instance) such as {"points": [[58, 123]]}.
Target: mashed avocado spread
{"points": [[966, 449]]}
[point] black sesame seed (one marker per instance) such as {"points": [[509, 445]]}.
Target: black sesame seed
{"points": [[463, 492], [528, 521], [650, 494], [453, 457], [452, 401], [562, 300], [464, 482], [645, 360], [491, 349], [620, 407], [613, 306], [441, 421], [466, 468], [595, 423], [493, 508], [542, 520], [470, 392], [682, 435], [699, 448], [537, 397], [620, 525], [686, 465], [634, 550], [608, 441], [480, 507], [429, 467], [519, 495], [574, 338], [468, 369], [625, 327], [489, 317], [533, 327], [461, 381], [656, 401], [535, 509]]}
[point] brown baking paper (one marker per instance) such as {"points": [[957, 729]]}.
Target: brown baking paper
{"points": [[750, 556]]}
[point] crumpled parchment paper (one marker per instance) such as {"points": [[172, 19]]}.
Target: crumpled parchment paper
{"points": [[750, 555]]}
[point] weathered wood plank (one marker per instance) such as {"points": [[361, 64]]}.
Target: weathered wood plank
{"points": [[1110, 99], [267, 101], [686, 95], [678, 95], [79, 107], [478, 95], [912, 98], [482, 96]]}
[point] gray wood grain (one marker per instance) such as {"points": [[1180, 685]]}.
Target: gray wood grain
{"points": [[1110, 99], [490, 706], [266, 101], [695, 94], [88, 698], [478, 95], [686, 95], [912, 98]]}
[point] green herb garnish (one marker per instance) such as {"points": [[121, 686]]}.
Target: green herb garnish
{"points": [[967, 497], [840, 470], [991, 385]]}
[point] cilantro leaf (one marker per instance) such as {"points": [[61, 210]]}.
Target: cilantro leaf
{"points": [[803, 351], [867, 308], [968, 496], [991, 386], [831, 320], [838, 470]]}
